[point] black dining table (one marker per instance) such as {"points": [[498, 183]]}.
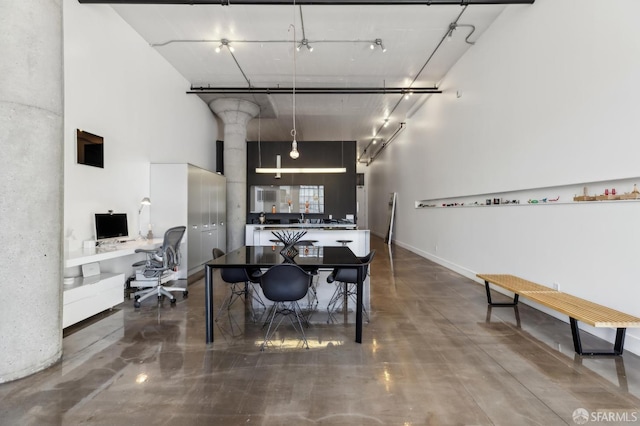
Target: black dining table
{"points": [[322, 257]]}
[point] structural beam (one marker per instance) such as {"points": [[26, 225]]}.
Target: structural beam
{"points": [[318, 2], [314, 90]]}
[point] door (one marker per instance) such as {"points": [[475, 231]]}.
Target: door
{"points": [[361, 207]]}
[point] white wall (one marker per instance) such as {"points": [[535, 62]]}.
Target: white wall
{"points": [[548, 99], [118, 87]]}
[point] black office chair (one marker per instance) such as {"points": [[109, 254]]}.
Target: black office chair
{"points": [[285, 285], [347, 279], [239, 280], [158, 267]]}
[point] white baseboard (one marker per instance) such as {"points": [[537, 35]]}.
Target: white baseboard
{"points": [[632, 343]]}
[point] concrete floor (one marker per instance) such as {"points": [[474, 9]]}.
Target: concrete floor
{"points": [[433, 354]]}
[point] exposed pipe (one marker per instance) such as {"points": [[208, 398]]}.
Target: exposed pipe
{"points": [[444, 37], [313, 90], [385, 144], [318, 2]]}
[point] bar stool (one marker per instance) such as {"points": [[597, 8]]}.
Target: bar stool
{"points": [[312, 296], [347, 279]]}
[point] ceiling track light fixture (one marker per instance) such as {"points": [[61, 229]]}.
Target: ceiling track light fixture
{"points": [[224, 43], [304, 43], [377, 42], [386, 143]]}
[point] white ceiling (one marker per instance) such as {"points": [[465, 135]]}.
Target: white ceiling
{"points": [[263, 41]]}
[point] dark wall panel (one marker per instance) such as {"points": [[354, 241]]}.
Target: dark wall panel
{"points": [[339, 189]]}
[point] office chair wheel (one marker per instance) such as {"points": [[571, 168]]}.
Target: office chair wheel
{"points": [[136, 304], [173, 301], [185, 294]]}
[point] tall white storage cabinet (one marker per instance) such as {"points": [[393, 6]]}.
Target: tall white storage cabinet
{"points": [[183, 194]]}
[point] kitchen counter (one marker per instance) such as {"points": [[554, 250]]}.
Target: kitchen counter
{"points": [[326, 234], [324, 226]]}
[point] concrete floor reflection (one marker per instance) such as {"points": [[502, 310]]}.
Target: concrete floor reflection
{"points": [[433, 354]]}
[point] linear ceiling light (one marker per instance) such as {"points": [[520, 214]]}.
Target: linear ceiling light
{"points": [[301, 170]]}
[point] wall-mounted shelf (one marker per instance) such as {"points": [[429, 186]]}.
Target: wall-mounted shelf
{"points": [[543, 196]]}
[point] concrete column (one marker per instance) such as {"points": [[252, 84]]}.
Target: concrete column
{"points": [[235, 114], [31, 182]]}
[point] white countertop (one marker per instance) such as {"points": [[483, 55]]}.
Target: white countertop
{"points": [[111, 251], [318, 226]]}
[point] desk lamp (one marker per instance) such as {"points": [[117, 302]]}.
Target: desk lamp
{"points": [[145, 202]]}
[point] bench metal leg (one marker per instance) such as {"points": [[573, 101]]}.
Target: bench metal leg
{"points": [[618, 346], [515, 298]]}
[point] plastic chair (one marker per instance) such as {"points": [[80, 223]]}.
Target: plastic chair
{"points": [[158, 268], [285, 285], [239, 280], [347, 279]]}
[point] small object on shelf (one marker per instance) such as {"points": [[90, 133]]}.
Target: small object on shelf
{"points": [[635, 189], [607, 197], [632, 196], [273, 208], [584, 198]]}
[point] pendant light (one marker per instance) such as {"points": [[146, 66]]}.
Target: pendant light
{"points": [[294, 154]]}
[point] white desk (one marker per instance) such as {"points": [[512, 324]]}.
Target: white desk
{"points": [[88, 296], [98, 254]]}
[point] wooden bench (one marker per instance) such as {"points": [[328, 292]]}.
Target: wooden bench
{"points": [[575, 308]]}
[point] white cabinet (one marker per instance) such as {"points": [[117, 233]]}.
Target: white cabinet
{"points": [[91, 295], [183, 194]]}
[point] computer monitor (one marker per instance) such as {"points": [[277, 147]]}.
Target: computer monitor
{"points": [[111, 226]]}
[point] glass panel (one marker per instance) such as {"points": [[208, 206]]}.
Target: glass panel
{"points": [[287, 199]]}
